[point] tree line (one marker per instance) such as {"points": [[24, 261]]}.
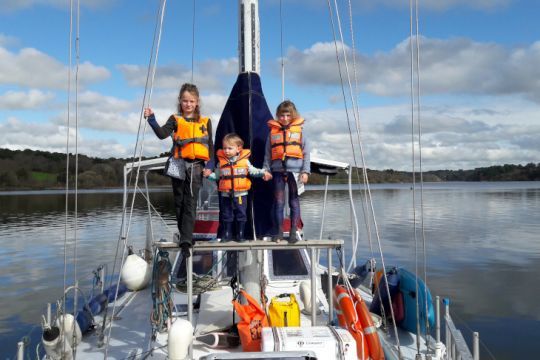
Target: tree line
{"points": [[34, 169]]}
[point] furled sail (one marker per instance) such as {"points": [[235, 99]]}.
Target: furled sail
{"points": [[246, 113]]}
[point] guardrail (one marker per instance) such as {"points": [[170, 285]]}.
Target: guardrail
{"points": [[456, 346]]}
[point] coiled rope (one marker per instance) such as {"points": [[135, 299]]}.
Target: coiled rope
{"points": [[162, 304]]}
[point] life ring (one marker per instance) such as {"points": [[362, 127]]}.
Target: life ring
{"points": [[368, 328], [346, 304]]}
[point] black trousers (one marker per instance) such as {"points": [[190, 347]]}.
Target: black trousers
{"points": [[186, 193]]}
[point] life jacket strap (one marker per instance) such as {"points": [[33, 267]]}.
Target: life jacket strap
{"points": [[203, 140]]}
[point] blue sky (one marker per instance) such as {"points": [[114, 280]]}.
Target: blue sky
{"points": [[480, 80]]}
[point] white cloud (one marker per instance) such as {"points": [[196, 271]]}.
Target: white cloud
{"points": [[32, 99], [208, 75], [164, 103], [461, 136], [457, 136], [441, 5], [454, 66], [32, 68], [104, 113], [435, 5], [14, 134]]}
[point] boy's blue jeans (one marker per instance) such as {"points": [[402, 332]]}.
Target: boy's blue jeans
{"points": [[232, 209], [279, 179]]}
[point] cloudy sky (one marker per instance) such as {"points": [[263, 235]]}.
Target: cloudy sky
{"points": [[479, 75]]}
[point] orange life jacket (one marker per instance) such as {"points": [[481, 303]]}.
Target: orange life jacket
{"points": [[286, 140], [233, 176], [191, 139]]}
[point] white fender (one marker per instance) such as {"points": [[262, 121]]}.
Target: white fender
{"points": [[50, 340], [67, 330], [305, 295], [180, 337], [53, 339], [136, 272]]}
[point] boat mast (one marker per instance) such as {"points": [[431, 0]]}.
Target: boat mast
{"points": [[249, 261], [249, 46]]}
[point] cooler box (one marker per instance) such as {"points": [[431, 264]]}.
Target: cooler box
{"points": [[327, 343]]}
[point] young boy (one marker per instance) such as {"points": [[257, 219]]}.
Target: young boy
{"points": [[287, 156], [233, 172]]}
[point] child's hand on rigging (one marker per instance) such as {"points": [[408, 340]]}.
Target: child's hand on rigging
{"points": [[148, 112]]}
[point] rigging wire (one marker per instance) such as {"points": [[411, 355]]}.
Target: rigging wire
{"points": [[331, 14], [68, 127], [413, 161], [193, 42], [365, 205], [415, 117], [356, 117], [76, 205], [281, 49], [420, 168], [361, 153], [149, 84], [354, 94]]}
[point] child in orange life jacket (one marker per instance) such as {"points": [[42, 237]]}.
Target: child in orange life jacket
{"points": [[287, 156], [192, 142], [233, 172]]}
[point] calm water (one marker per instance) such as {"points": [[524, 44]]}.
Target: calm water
{"points": [[482, 244]]}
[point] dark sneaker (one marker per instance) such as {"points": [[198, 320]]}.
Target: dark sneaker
{"points": [[277, 237], [293, 236]]}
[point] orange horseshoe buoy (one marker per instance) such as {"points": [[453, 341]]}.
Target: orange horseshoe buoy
{"points": [[352, 322], [370, 331], [339, 313], [376, 280]]}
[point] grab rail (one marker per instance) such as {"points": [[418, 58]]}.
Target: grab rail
{"points": [[312, 245]]}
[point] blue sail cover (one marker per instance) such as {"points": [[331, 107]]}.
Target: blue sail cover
{"points": [[246, 113]]}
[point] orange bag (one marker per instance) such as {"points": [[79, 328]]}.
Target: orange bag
{"points": [[253, 320]]}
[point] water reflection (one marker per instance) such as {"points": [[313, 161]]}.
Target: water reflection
{"points": [[481, 240]]}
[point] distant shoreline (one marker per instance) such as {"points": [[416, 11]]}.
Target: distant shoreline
{"points": [[22, 170], [318, 187]]}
